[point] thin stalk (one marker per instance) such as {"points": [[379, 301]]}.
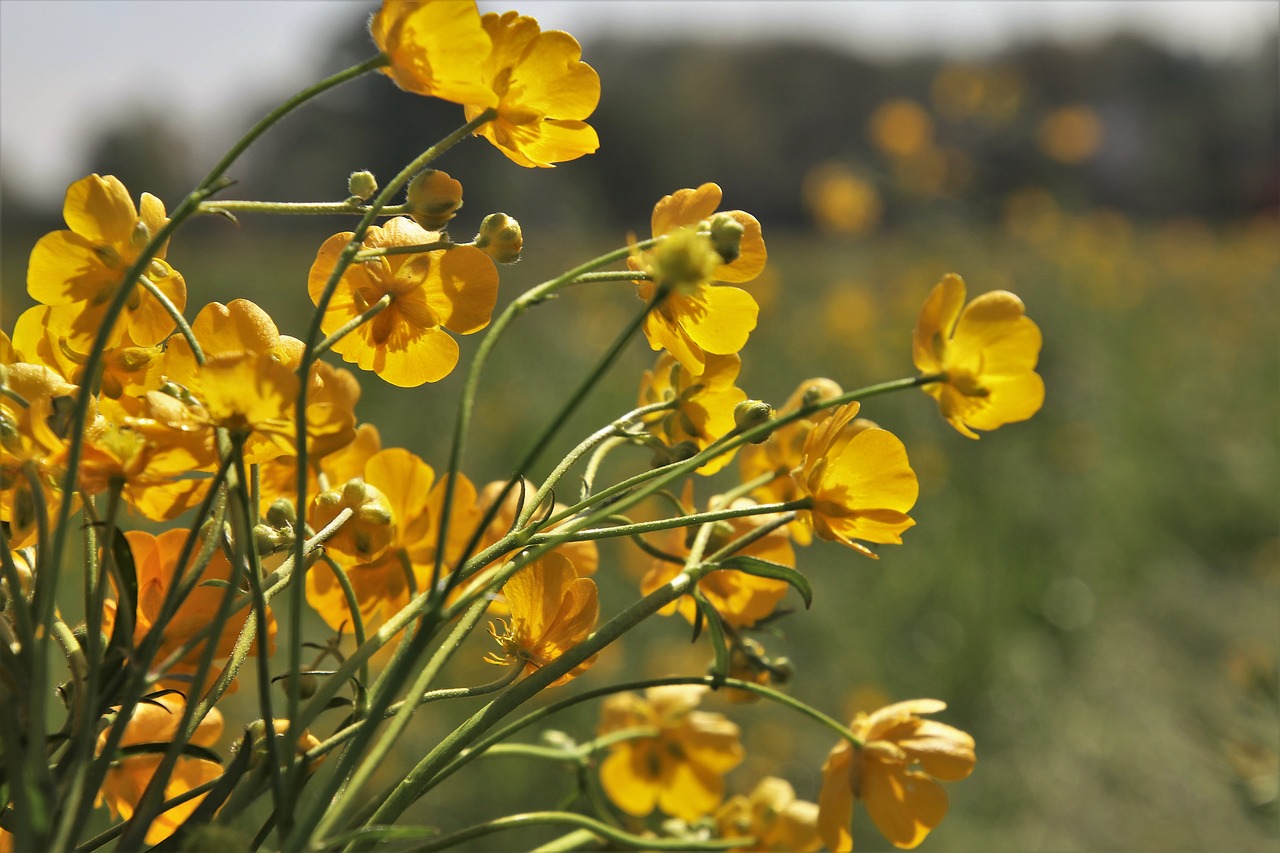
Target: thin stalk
{"points": [[354, 323], [174, 314], [681, 521], [297, 208]]}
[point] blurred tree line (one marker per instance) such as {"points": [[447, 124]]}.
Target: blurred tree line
{"points": [[1174, 135]]}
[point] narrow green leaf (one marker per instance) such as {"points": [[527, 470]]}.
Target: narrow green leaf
{"points": [[766, 569]]}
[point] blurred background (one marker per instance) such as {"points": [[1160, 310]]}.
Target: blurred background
{"points": [[1093, 592]]}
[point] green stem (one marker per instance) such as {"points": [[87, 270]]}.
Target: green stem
{"points": [[174, 314], [351, 325], [418, 249], [578, 753], [612, 275], [681, 521], [297, 208]]}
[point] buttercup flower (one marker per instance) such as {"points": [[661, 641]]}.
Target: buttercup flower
{"points": [[704, 403], [681, 770], [156, 722], [552, 610], [988, 352], [434, 47], [699, 317], [84, 266], [860, 480], [773, 816], [406, 344], [893, 772]]}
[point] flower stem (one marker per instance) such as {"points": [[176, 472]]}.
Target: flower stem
{"points": [[354, 323]]}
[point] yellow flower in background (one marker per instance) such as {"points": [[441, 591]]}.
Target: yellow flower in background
{"points": [[85, 265], [155, 721], [704, 403], [988, 352], [893, 773], [781, 452], [681, 769], [552, 610], [406, 344], [773, 816], [698, 316], [741, 599], [860, 480], [434, 47]]}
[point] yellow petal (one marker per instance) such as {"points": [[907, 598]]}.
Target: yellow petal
{"points": [[625, 778], [461, 288], [99, 209], [904, 805], [936, 320], [685, 208], [718, 319]]}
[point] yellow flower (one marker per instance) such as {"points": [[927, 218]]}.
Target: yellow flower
{"points": [[680, 770], [84, 266], [988, 352], [781, 453], [542, 91], [773, 816], [156, 722], [406, 344], [536, 82], [698, 317], [408, 490], [860, 480], [893, 772], [704, 403], [741, 599], [552, 610]]}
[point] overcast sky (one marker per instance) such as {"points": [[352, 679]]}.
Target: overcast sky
{"points": [[67, 66]]}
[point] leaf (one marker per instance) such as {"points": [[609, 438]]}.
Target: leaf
{"points": [[719, 644], [766, 569]]}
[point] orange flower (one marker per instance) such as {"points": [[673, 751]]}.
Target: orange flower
{"points": [[699, 317], [552, 610], [782, 452], [680, 770], [988, 352], [860, 480], [84, 266], [893, 772], [773, 816], [704, 403], [406, 344], [156, 722]]}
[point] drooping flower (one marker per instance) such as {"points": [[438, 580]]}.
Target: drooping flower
{"points": [[782, 451], [894, 773], [699, 316], [704, 403], [988, 351], [155, 721], [552, 610], [680, 770], [406, 343], [85, 265], [773, 816], [859, 479]]}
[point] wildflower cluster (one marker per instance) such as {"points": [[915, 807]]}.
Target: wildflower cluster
{"points": [[276, 504]]}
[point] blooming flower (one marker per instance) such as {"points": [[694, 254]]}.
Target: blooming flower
{"points": [[536, 82], [699, 317], [156, 722], [704, 403], [859, 479], [681, 769], [893, 772], [773, 816], [988, 352], [552, 610], [406, 343], [84, 266]]}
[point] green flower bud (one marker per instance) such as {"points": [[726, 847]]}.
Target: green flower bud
{"points": [[752, 413], [501, 238], [683, 261], [362, 185], [281, 514], [726, 237]]}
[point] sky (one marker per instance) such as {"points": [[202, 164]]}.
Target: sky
{"points": [[196, 60]]}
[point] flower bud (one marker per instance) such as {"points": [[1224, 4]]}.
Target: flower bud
{"points": [[819, 391], [370, 529], [266, 539], [726, 237], [433, 199], [752, 413], [501, 238], [257, 732], [281, 514], [362, 185], [683, 261]]}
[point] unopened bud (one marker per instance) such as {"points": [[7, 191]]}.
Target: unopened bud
{"points": [[266, 539], [362, 185], [281, 514], [501, 238], [726, 237], [683, 261], [433, 199], [752, 413]]}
